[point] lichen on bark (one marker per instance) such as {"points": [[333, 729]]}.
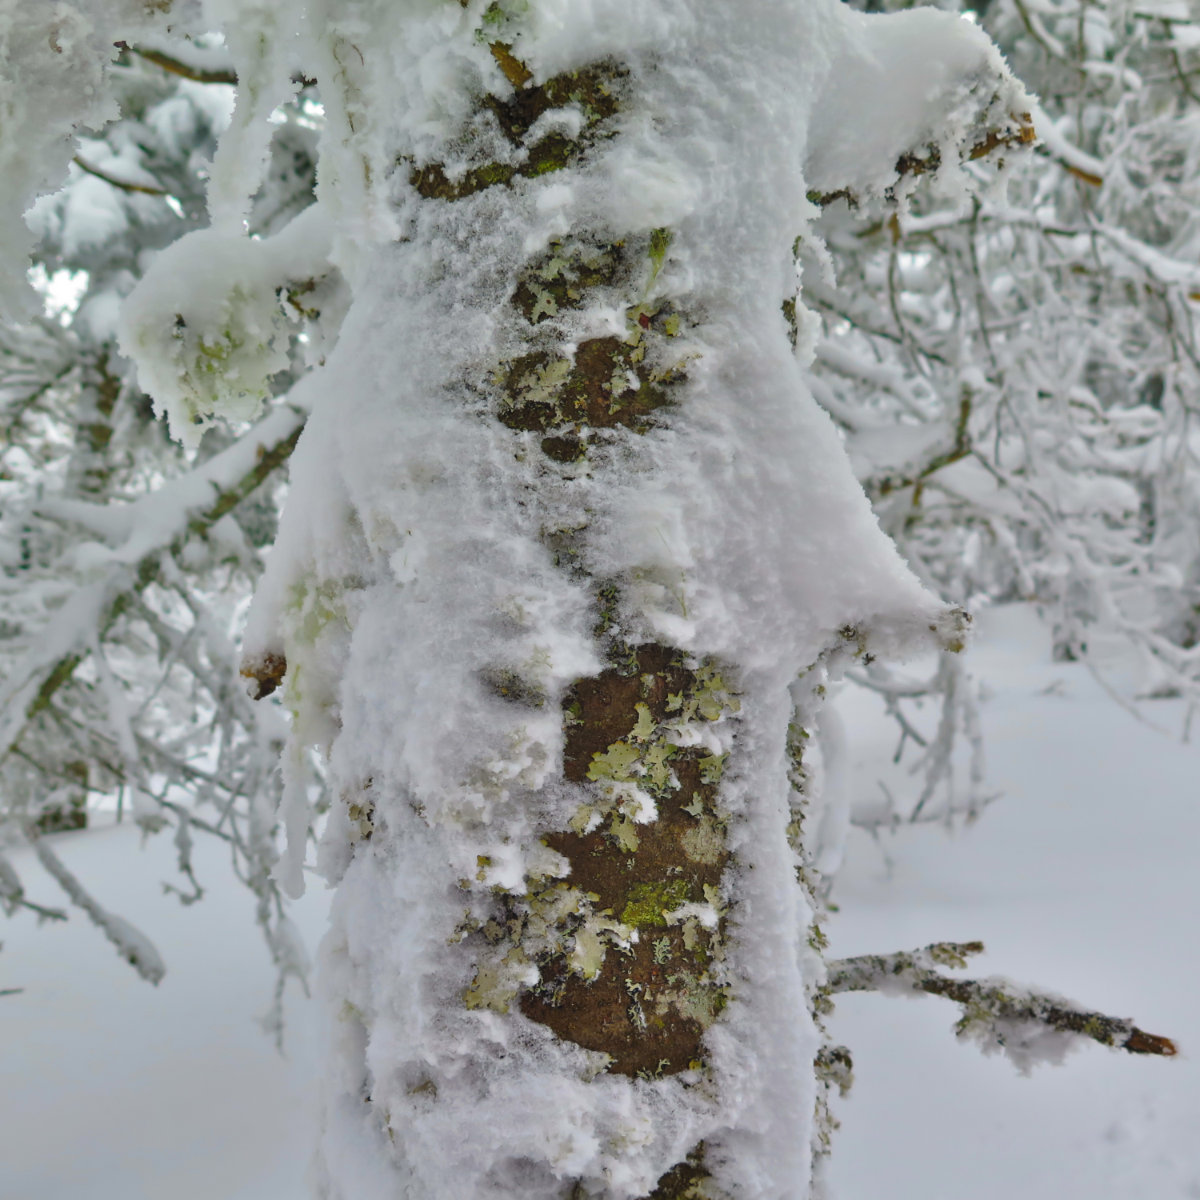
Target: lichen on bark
{"points": [[624, 954], [593, 92]]}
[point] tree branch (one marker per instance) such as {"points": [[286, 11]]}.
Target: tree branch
{"points": [[176, 67], [999, 1014], [1018, 135], [124, 184], [109, 600], [959, 450], [197, 74]]}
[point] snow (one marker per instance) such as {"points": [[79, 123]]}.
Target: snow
{"points": [[261, 37], [174, 1091], [209, 323], [920, 81], [55, 57], [136, 532], [54, 65], [130, 1092]]}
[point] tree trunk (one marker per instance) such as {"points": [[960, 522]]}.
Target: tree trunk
{"points": [[566, 530]]}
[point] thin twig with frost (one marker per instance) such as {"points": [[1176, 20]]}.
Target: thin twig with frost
{"points": [[999, 1015]]}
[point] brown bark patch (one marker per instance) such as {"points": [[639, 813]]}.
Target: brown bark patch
{"points": [[653, 999], [266, 670], [566, 449], [608, 383], [594, 90], [684, 1180], [603, 709], [561, 279]]}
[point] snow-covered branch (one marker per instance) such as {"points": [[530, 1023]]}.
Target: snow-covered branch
{"points": [[131, 943], [187, 508], [199, 66], [1000, 1016], [1065, 313]]}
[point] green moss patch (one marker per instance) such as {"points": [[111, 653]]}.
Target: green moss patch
{"points": [[649, 903]]}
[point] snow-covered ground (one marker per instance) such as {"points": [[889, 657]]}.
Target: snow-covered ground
{"points": [[1082, 879], [115, 1090]]}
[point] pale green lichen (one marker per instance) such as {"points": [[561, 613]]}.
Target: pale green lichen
{"points": [[362, 823], [693, 998], [497, 983], [712, 767], [562, 279], [498, 16], [660, 243], [705, 843], [223, 368], [713, 698], [644, 729], [539, 385], [544, 304], [312, 606], [656, 766], [548, 922], [617, 763], [591, 945], [585, 819], [624, 833], [587, 955]]}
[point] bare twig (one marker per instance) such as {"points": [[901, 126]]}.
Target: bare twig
{"points": [[125, 185], [175, 67], [43, 913], [132, 945], [994, 1010], [1080, 173]]}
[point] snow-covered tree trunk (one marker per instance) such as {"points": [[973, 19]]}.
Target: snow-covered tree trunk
{"points": [[570, 553], [565, 533]]}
